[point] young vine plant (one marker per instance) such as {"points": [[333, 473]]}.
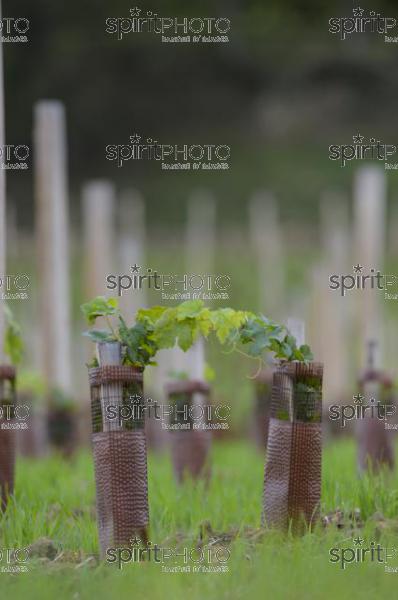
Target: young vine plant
{"points": [[162, 327]]}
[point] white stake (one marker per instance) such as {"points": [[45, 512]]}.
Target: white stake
{"points": [[369, 222], [266, 238], [98, 219], [332, 322], [110, 354], [132, 250], [297, 329], [392, 230], [200, 234], [52, 232], [192, 362], [201, 242], [2, 202]]}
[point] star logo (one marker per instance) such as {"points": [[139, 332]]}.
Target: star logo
{"points": [[135, 268], [357, 11], [136, 398], [135, 139], [135, 12], [358, 541], [358, 138], [135, 541], [357, 268], [358, 399]]}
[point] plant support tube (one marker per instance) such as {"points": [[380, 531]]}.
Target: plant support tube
{"points": [[292, 480], [189, 446], [7, 434], [120, 460]]}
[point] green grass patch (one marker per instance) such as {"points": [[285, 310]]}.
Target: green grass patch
{"points": [[56, 499]]}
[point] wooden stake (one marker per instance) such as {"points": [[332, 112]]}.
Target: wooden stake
{"points": [[132, 249], [200, 256], [110, 354], [192, 362], [98, 219], [2, 202], [369, 222], [53, 233], [392, 230], [297, 329], [196, 363], [266, 239], [200, 234], [333, 315]]}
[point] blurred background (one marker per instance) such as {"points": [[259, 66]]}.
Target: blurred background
{"points": [[279, 222], [279, 93]]}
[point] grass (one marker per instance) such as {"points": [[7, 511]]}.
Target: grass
{"points": [[55, 499]]}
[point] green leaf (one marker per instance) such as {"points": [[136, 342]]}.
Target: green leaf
{"points": [[256, 333], [286, 350], [99, 307], [306, 352], [204, 322], [186, 334], [153, 314], [99, 335], [189, 309], [250, 330], [164, 327], [226, 321], [137, 342]]}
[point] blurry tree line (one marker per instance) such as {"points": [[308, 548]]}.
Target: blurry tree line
{"points": [[278, 93]]}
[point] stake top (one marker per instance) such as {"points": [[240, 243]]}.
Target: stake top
{"points": [[297, 329], [49, 108]]}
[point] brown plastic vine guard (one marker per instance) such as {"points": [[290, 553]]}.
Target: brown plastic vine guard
{"points": [[61, 430], [7, 434], [31, 442], [375, 447], [189, 446], [262, 410], [120, 456], [292, 480]]}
